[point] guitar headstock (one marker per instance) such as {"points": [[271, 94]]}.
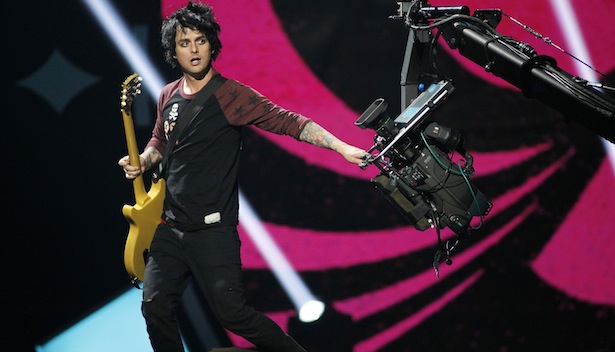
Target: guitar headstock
{"points": [[130, 89]]}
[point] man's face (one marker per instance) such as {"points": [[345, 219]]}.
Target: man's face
{"points": [[192, 51]]}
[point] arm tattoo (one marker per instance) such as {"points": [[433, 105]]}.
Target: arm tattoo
{"points": [[152, 157], [318, 136]]}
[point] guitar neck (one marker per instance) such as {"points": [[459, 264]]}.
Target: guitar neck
{"points": [[133, 154]]}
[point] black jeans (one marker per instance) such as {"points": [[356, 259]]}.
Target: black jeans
{"points": [[212, 258]]}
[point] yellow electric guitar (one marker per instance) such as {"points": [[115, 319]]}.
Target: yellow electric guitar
{"points": [[144, 216]]}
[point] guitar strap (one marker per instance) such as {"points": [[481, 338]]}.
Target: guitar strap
{"points": [[189, 113]]}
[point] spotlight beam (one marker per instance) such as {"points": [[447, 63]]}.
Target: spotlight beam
{"points": [[569, 25], [126, 43], [308, 307]]}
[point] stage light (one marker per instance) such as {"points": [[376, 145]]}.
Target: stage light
{"points": [[296, 289], [127, 45], [311, 311], [569, 25]]}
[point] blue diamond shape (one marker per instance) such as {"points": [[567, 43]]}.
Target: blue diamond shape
{"points": [[58, 81]]}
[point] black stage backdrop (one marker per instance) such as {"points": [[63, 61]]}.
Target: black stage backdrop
{"points": [[537, 276]]}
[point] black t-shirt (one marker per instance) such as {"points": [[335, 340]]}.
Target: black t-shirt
{"points": [[201, 174]]}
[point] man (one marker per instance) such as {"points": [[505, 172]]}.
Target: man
{"points": [[197, 238]]}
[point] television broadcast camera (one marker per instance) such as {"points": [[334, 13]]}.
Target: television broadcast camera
{"points": [[417, 172]]}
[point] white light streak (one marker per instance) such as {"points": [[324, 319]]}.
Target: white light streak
{"points": [[282, 269], [128, 46], [569, 25], [306, 304]]}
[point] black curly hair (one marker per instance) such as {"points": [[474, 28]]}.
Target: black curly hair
{"points": [[196, 16]]}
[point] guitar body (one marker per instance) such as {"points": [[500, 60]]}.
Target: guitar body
{"points": [[143, 220], [144, 216]]}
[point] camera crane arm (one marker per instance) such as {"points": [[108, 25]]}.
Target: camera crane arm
{"points": [[537, 76]]}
